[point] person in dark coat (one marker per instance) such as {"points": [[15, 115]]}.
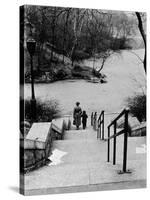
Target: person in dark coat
{"points": [[77, 115], [84, 119]]}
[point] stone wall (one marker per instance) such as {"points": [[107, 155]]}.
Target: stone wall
{"points": [[36, 147], [139, 130]]}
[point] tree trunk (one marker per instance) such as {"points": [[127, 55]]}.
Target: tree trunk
{"points": [[53, 25], [39, 63], [102, 65], [53, 31], [65, 28], [77, 27], [93, 62], [73, 50], [141, 29], [39, 57]]}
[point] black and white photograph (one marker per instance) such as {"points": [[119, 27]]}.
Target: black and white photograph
{"points": [[82, 99]]}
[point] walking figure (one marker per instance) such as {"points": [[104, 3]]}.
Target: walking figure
{"points": [[84, 119], [77, 115]]}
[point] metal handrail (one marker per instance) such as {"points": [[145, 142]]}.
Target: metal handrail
{"points": [[98, 124], [94, 120], [124, 131], [100, 129], [118, 117], [92, 115]]}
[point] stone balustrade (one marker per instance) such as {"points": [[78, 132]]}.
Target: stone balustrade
{"points": [[139, 130], [35, 148]]}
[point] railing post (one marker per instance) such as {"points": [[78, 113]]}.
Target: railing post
{"points": [[103, 125], [92, 119], [125, 141], [98, 130], [108, 145], [95, 120], [114, 147]]}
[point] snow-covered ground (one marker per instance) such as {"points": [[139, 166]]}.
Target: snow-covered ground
{"points": [[125, 76]]}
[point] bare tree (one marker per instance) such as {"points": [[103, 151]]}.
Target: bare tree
{"points": [[102, 32], [78, 34], [141, 29], [78, 18], [67, 13]]}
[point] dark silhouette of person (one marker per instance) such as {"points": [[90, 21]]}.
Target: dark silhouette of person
{"points": [[84, 119], [77, 115]]}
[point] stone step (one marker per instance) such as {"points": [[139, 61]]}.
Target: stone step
{"points": [[93, 173], [134, 184], [97, 149], [80, 136], [84, 165]]}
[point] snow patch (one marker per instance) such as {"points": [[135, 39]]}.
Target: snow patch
{"points": [[56, 157], [141, 150]]}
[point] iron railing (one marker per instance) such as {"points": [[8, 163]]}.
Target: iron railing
{"points": [[124, 131], [100, 129], [98, 124], [94, 120]]}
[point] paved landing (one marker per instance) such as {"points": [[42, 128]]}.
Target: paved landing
{"points": [[84, 167]]}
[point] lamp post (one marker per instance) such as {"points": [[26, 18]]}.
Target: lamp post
{"points": [[31, 44]]}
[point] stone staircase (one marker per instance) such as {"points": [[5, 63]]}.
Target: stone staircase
{"points": [[84, 166]]}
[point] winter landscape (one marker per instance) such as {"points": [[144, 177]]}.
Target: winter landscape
{"points": [[96, 58]]}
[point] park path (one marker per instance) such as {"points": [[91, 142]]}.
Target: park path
{"points": [[84, 166]]}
